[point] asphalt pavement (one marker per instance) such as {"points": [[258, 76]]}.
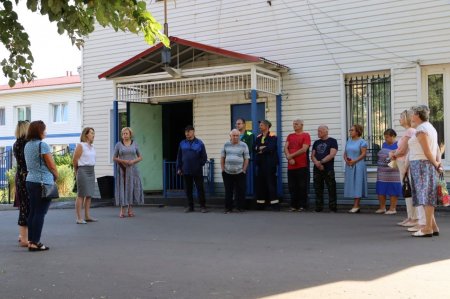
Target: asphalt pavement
{"points": [[165, 253]]}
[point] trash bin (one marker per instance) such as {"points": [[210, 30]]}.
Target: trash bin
{"points": [[106, 186]]}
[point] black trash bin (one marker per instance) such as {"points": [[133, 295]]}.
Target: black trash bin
{"points": [[106, 186]]}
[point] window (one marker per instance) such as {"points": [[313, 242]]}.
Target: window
{"points": [[435, 92], [369, 104], [23, 113], [2, 116], [60, 112]]}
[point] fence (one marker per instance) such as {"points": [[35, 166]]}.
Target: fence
{"points": [[6, 163], [173, 183]]}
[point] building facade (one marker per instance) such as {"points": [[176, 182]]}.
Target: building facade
{"points": [[336, 63]]}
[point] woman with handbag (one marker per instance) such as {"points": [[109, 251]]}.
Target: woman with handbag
{"points": [[41, 171], [21, 196], [425, 164], [83, 165], [400, 156], [355, 169], [388, 179]]}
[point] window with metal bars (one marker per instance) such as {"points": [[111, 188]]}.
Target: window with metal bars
{"points": [[369, 104]]}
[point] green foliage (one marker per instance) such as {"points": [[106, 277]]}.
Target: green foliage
{"points": [[77, 18], [65, 159], [11, 177], [66, 180]]}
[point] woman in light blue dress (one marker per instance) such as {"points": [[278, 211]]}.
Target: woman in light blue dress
{"points": [[355, 185]]}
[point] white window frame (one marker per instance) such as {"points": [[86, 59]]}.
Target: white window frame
{"points": [[18, 108], [445, 71], [3, 121], [53, 107]]}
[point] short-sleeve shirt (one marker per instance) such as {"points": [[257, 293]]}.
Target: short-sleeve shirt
{"points": [[234, 155], [415, 149], [296, 142], [37, 169], [410, 132], [322, 149]]}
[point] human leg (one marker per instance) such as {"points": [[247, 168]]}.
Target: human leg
{"points": [[330, 180], [318, 181], [382, 201], [188, 186], [392, 206], [78, 205], [303, 187], [40, 208], [241, 184], [229, 190], [199, 185], [294, 191]]}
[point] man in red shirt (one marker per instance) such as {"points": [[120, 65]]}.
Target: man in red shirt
{"points": [[296, 151]]}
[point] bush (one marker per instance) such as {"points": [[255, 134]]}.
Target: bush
{"points": [[11, 176], [65, 159], [66, 180]]}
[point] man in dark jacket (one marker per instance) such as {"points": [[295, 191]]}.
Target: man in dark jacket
{"points": [[190, 161], [266, 159]]}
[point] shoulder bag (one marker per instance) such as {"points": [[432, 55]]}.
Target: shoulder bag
{"points": [[48, 192]]}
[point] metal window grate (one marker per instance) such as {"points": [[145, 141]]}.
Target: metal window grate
{"points": [[369, 104]]}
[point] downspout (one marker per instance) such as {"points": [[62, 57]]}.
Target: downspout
{"points": [[279, 132]]}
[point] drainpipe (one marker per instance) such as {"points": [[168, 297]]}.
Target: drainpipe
{"points": [[280, 151]]}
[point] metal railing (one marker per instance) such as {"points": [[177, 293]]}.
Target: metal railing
{"points": [[173, 183]]}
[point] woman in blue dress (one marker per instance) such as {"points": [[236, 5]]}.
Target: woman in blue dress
{"points": [[388, 179], [355, 185]]}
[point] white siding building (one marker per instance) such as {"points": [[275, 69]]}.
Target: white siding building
{"points": [[56, 101], [338, 62]]}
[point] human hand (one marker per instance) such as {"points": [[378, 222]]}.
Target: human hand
{"points": [[291, 161]]}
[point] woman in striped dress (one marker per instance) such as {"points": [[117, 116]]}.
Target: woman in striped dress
{"points": [[388, 179]]}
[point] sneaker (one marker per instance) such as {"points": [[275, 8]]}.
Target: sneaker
{"points": [[203, 210], [380, 211], [354, 210], [293, 210], [189, 210], [227, 211], [318, 210], [81, 221]]}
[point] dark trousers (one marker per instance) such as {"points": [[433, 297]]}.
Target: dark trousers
{"points": [[189, 181], [322, 177], [38, 210], [298, 187], [234, 183], [266, 185]]}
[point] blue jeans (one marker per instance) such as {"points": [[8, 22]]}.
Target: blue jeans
{"points": [[38, 209]]}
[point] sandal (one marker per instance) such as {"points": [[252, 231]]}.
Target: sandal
{"points": [[121, 215], [39, 247], [130, 214]]}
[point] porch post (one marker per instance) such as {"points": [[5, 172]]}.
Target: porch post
{"points": [[116, 128], [280, 150], [254, 113], [128, 114]]}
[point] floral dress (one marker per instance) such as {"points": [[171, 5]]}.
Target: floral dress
{"points": [[21, 197]]}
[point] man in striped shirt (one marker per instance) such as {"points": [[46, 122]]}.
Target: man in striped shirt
{"points": [[234, 162]]}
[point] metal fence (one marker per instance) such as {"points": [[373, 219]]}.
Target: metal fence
{"points": [[173, 184]]}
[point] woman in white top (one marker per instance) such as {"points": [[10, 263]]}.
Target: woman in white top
{"points": [[400, 155], [83, 164], [425, 163]]}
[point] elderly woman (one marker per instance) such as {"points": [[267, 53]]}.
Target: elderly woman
{"points": [[128, 182], [400, 155], [21, 197], [83, 164], [388, 179], [424, 158], [355, 171], [41, 169]]}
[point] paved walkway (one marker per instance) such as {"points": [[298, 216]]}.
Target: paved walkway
{"points": [[165, 253]]}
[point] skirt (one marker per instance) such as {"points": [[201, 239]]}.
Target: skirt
{"points": [[424, 181], [85, 181]]}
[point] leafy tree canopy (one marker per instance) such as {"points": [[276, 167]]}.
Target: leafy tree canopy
{"points": [[75, 17]]}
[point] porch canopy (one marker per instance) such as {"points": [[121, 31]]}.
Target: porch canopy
{"points": [[190, 68]]}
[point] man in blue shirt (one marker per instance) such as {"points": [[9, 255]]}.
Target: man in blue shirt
{"points": [[190, 161]]}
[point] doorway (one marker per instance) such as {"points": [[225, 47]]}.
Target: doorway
{"points": [[175, 117]]}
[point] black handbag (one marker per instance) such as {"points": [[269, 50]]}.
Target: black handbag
{"points": [[48, 192], [406, 187]]}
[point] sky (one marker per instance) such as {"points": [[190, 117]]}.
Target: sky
{"points": [[53, 54]]}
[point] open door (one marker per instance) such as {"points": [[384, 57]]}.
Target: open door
{"points": [[146, 120]]}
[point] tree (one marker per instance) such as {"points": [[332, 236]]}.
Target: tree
{"points": [[75, 17]]}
